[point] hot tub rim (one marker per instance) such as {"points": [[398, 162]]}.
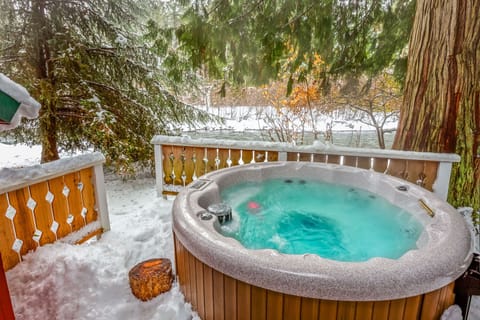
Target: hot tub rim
{"points": [[361, 281]]}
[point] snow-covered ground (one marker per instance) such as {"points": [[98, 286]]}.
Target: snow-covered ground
{"points": [[241, 118], [90, 281], [251, 123]]}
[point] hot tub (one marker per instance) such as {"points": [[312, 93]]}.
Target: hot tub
{"points": [[224, 280]]}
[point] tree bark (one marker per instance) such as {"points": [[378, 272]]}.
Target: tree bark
{"points": [[380, 137], [44, 71], [441, 107], [48, 131]]}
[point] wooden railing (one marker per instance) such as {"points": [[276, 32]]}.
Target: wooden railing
{"points": [[62, 200], [180, 160]]}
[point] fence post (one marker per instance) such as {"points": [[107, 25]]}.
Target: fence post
{"points": [[101, 197], [440, 186], [158, 168], [6, 310], [282, 156]]}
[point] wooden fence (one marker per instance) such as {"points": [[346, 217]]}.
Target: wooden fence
{"points": [[62, 200], [180, 160]]}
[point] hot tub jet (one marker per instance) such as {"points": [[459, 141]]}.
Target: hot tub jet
{"points": [[222, 211]]}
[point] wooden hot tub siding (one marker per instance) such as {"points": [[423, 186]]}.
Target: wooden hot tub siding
{"points": [[216, 296]]}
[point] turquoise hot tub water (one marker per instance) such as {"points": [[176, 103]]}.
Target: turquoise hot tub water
{"points": [[337, 222]]}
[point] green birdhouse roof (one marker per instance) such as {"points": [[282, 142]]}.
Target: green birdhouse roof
{"points": [[15, 103], [8, 107]]}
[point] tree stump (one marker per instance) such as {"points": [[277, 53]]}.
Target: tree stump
{"points": [[150, 278]]}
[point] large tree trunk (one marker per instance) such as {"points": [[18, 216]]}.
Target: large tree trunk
{"points": [[48, 131], [441, 107], [44, 70]]}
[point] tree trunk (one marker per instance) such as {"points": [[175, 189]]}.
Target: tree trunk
{"points": [[380, 137], [441, 107], [44, 71], [48, 131]]}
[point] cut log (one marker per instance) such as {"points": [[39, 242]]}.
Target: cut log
{"points": [[150, 278]]}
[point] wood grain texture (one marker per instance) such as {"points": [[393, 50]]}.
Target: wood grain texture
{"points": [[54, 212], [380, 310], [60, 206], [6, 309], [183, 164], [291, 307], [380, 165], [10, 257], [218, 296], [309, 309], [208, 294], [274, 305], [75, 201], [43, 214], [397, 309], [244, 297], [350, 161], [364, 162], [23, 220], [224, 297], [88, 194], [364, 310], [200, 289], [230, 292]]}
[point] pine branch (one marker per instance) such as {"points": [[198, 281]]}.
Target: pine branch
{"points": [[299, 16], [246, 14]]}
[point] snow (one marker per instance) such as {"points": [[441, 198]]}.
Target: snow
{"points": [[452, 313], [242, 118], [14, 178], [28, 108], [94, 99], [90, 281], [20, 155], [121, 40], [78, 235]]}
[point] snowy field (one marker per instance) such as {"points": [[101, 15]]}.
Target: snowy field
{"points": [[90, 281], [248, 123]]}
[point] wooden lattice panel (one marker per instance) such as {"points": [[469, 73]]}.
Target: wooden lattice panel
{"points": [[181, 160], [420, 172], [183, 164], [44, 212]]}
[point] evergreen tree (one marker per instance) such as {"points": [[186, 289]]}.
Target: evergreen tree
{"points": [[246, 41], [99, 82]]}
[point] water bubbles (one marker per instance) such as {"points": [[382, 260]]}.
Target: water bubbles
{"points": [[302, 216]]}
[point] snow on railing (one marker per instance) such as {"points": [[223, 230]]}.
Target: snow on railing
{"points": [[181, 160], [61, 200]]}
